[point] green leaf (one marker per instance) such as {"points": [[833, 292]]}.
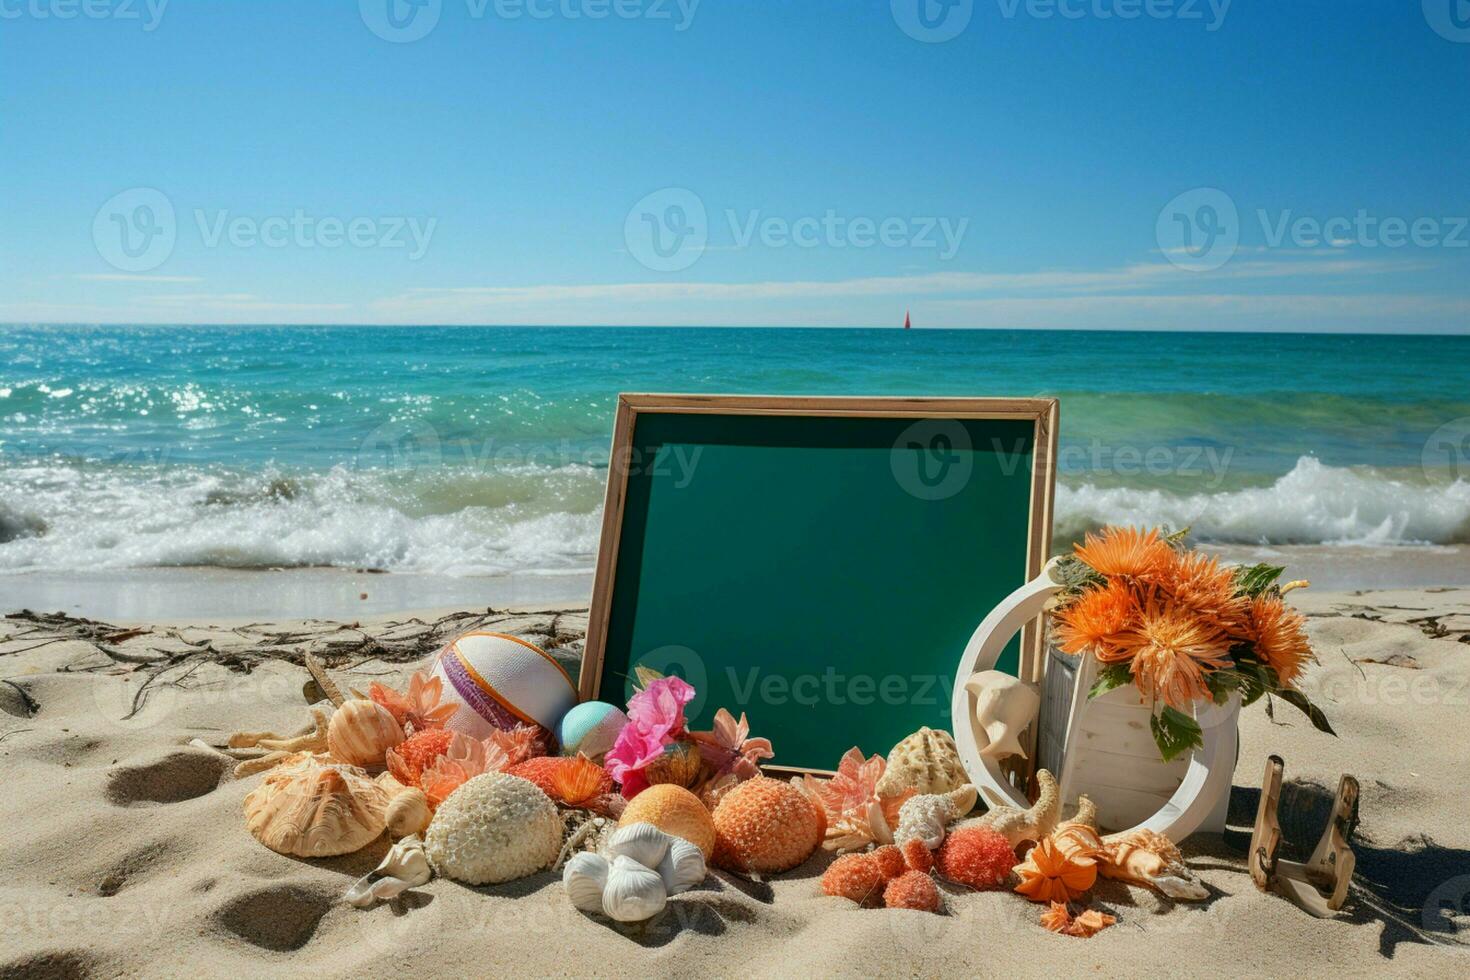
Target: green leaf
{"points": [[1251, 677], [1299, 700], [1256, 579], [1110, 676], [1175, 733], [646, 676], [1077, 575]]}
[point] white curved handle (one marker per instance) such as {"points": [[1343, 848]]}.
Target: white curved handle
{"points": [[1210, 767]]}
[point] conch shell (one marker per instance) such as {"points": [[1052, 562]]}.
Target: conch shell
{"points": [[926, 818], [1035, 824], [406, 866], [311, 808], [362, 732], [1004, 707], [925, 762], [1145, 857], [408, 813]]}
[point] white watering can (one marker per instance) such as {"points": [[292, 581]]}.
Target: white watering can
{"points": [[1109, 753]]}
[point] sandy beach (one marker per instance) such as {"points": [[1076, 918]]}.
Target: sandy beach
{"points": [[129, 857]]}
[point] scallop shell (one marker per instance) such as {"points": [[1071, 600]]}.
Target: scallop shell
{"points": [[314, 808], [926, 762], [362, 732]]}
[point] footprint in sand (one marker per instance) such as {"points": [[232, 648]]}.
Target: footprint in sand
{"points": [[181, 775], [54, 965], [282, 918]]}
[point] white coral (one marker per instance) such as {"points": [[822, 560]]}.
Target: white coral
{"points": [[494, 828]]}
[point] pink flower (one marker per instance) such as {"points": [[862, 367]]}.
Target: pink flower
{"points": [[655, 718]]}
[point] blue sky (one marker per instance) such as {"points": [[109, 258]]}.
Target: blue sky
{"points": [[1159, 164]]}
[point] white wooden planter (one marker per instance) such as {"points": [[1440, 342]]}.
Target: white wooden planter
{"points": [[1104, 744]]}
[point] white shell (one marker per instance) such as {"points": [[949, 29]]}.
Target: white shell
{"points": [[585, 877], [405, 866], [1004, 707], [683, 867], [927, 818], [643, 842], [633, 892]]}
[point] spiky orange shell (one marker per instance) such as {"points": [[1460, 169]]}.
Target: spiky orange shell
{"points": [[856, 877], [912, 890], [890, 861], [1049, 874], [766, 826], [917, 857], [568, 781], [674, 810], [976, 856], [1056, 918]]}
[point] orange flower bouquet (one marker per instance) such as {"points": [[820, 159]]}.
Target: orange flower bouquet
{"points": [[1181, 627]]}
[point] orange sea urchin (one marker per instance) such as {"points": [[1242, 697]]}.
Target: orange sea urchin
{"points": [[912, 890], [766, 826], [856, 877], [976, 856]]}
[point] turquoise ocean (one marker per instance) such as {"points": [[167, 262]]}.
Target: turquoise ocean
{"points": [[464, 451]]}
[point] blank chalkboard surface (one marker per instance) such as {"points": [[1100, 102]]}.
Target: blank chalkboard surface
{"points": [[817, 563]]}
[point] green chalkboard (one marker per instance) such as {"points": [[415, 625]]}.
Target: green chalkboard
{"points": [[818, 569]]}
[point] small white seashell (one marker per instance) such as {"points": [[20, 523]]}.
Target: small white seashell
{"points": [[585, 878], [928, 817], [683, 867], [633, 892], [1004, 707], [643, 842], [405, 866]]}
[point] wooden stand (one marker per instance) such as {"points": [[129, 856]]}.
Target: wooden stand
{"points": [[1320, 885]]}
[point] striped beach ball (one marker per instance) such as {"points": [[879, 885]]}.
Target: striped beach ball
{"points": [[500, 682]]}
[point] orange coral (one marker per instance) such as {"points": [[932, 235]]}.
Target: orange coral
{"points": [[1056, 918], [1124, 551], [856, 877], [1090, 923], [1095, 622], [1171, 651], [1050, 875], [1279, 636], [410, 758], [912, 890], [766, 826], [976, 856]]}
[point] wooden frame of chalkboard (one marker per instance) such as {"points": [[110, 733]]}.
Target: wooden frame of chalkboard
{"points": [[1036, 418]]}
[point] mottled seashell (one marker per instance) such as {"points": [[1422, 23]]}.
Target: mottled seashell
{"points": [[1034, 824], [927, 817], [405, 866], [315, 808], [1004, 707], [1144, 857], [679, 765], [408, 813], [361, 733], [925, 762]]}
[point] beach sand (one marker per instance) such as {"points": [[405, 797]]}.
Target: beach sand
{"points": [[126, 852]]}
